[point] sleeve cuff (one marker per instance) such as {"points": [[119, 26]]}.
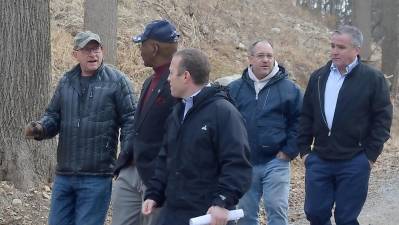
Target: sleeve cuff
{"points": [[223, 201], [290, 154], [157, 199], [303, 153]]}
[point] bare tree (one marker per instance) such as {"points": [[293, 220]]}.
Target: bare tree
{"points": [[390, 47], [390, 44], [24, 89], [361, 17], [341, 9], [101, 17]]}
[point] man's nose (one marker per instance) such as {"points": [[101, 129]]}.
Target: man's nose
{"points": [[266, 59]]}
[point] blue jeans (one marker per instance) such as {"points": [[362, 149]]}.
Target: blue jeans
{"points": [[343, 182], [77, 200], [272, 181]]}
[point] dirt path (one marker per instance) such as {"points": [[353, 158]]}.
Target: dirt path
{"points": [[382, 205]]}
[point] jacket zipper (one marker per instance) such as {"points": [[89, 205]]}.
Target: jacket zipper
{"points": [[266, 98], [321, 108]]}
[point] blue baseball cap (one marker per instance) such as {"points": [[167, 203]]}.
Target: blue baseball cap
{"points": [[159, 30]]}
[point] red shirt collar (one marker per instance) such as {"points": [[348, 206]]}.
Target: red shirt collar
{"points": [[161, 69]]}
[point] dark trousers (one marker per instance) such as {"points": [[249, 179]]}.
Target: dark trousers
{"points": [[343, 182]]}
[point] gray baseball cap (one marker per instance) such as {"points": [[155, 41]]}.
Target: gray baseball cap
{"points": [[83, 38]]}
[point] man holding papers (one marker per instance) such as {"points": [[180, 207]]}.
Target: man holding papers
{"points": [[203, 166]]}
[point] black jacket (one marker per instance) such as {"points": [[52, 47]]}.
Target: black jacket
{"points": [[362, 117], [149, 128], [88, 124], [204, 160]]}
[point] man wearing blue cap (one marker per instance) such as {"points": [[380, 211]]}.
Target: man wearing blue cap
{"points": [[91, 103], [135, 167]]}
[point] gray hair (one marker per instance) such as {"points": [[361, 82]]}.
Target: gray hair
{"points": [[252, 46], [354, 32]]}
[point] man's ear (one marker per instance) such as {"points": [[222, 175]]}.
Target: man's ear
{"points": [[155, 47], [358, 50], [75, 54], [187, 76], [250, 59]]}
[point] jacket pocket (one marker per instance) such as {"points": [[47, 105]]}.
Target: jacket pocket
{"points": [[270, 136]]}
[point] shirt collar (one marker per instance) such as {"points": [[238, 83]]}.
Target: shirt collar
{"points": [[190, 98], [161, 69], [348, 68]]}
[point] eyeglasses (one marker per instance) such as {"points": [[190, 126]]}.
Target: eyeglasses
{"points": [[87, 50], [262, 56]]}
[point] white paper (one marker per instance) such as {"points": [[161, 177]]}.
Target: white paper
{"points": [[206, 219]]}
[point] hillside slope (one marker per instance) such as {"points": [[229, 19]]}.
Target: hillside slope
{"points": [[221, 28]]}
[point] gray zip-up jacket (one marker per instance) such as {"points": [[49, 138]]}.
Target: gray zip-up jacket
{"points": [[88, 124]]}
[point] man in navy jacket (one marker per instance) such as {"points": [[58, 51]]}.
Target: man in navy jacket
{"points": [[270, 104], [346, 119]]}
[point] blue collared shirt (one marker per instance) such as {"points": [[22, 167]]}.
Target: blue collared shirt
{"points": [[188, 102], [333, 85]]}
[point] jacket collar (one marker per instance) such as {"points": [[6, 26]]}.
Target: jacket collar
{"points": [[74, 74], [207, 95], [325, 71]]}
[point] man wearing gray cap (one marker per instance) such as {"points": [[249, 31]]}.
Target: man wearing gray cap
{"points": [[91, 103], [135, 167]]}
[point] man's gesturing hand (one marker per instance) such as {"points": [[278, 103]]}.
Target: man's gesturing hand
{"points": [[33, 130]]}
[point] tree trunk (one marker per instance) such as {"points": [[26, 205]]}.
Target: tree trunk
{"points": [[391, 65], [332, 7], [100, 17], [390, 47], [361, 17], [24, 87], [395, 85]]}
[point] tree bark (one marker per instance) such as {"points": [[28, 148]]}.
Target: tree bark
{"points": [[361, 17], [100, 17], [395, 86], [332, 7], [393, 63], [390, 46], [24, 87]]}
